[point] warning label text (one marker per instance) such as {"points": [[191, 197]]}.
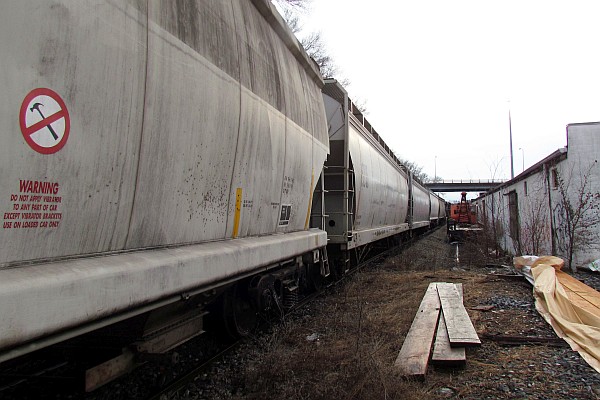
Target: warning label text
{"points": [[36, 205]]}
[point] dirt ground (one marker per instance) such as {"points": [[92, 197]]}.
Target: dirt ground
{"points": [[343, 346]]}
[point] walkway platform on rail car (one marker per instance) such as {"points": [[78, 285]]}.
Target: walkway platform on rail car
{"points": [[55, 296]]}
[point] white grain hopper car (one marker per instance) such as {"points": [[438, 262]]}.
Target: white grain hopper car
{"points": [[367, 192], [152, 151]]}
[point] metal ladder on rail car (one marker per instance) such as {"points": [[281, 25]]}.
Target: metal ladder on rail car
{"points": [[348, 209], [320, 218]]}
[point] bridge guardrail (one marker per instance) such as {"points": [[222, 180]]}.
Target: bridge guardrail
{"points": [[485, 181]]}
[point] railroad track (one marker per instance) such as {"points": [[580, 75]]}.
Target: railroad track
{"points": [[15, 378], [174, 386]]}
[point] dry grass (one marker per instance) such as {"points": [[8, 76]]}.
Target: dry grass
{"points": [[345, 344]]}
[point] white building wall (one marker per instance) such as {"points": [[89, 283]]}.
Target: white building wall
{"points": [[581, 172], [539, 205]]}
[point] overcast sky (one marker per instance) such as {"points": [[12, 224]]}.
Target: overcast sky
{"points": [[439, 77]]}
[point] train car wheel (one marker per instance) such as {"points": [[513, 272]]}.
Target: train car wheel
{"points": [[239, 315], [315, 279]]}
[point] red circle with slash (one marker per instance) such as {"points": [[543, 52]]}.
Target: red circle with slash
{"points": [[44, 121]]}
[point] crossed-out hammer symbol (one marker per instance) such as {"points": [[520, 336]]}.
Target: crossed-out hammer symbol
{"points": [[36, 106]]}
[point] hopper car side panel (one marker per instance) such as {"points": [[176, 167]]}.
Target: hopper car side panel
{"points": [[380, 207], [434, 213], [258, 174], [420, 204], [124, 180], [438, 209], [284, 195], [442, 207], [179, 198], [220, 131], [98, 69]]}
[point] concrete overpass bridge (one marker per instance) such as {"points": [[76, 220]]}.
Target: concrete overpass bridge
{"points": [[464, 185]]}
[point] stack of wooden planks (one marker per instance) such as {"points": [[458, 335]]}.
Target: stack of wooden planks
{"points": [[443, 317]]}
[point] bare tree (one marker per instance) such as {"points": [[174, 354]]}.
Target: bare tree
{"points": [[291, 18], [494, 227], [361, 104], [315, 47], [415, 169], [492, 219], [535, 219], [578, 211], [313, 42], [298, 4], [291, 10]]}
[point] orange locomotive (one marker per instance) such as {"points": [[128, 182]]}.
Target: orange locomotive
{"points": [[463, 212]]}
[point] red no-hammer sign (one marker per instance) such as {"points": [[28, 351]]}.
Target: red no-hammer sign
{"points": [[44, 121]]}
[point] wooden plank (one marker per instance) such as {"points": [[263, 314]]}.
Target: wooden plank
{"points": [[414, 355], [461, 331], [443, 353], [459, 289]]}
